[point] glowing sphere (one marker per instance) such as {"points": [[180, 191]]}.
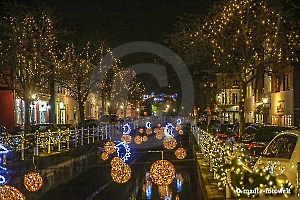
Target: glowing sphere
{"points": [[180, 153], [121, 173], [169, 142], [33, 181], [159, 135], [180, 132], [10, 193], [109, 147], [126, 138], [162, 172], [104, 156], [148, 131], [138, 139], [116, 161], [141, 130], [158, 125], [178, 127], [145, 138]]}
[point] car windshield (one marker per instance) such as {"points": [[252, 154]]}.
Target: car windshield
{"points": [[282, 147], [226, 129], [248, 133], [265, 135]]}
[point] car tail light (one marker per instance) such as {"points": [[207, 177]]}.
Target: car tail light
{"points": [[251, 145]]}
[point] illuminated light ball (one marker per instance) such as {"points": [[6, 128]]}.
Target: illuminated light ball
{"points": [[10, 193], [145, 138], [141, 130], [148, 131], [162, 172], [177, 197], [104, 155], [121, 173], [180, 153], [138, 139], [159, 135], [156, 130], [116, 161], [178, 127], [110, 147], [169, 143], [33, 181], [126, 138], [180, 132], [158, 125]]}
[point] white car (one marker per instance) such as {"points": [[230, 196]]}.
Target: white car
{"points": [[281, 156]]}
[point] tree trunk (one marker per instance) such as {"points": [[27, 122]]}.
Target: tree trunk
{"points": [[242, 106], [81, 112], [27, 102], [52, 117]]}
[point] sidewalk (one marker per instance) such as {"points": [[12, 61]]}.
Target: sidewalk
{"points": [[212, 190]]}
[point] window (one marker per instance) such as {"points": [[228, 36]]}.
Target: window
{"points": [[277, 84], [224, 82], [235, 82], [224, 98], [234, 98]]}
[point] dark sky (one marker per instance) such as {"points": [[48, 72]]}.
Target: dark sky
{"points": [[125, 21]]}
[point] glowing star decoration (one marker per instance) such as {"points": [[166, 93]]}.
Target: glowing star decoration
{"points": [[148, 125], [162, 172], [104, 156], [10, 193], [126, 138], [33, 181], [109, 147], [138, 139], [180, 153], [179, 121], [123, 151], [168, 130], [169, 143], [126, 129]]}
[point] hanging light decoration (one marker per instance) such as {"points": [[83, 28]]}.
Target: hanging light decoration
{"points": [[162, 172], [104, 155], [178, 127], [126, 138], [120, 172], [109, 147], [180, 132], [138, 139], [169, 143], [158, 125], [180, 153], [116, 161], [33, 181], [10, 193], [141, 130], [145, 138], [148, 131]]}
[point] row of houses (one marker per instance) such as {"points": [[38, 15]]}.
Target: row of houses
{"points": [[272, 97]]}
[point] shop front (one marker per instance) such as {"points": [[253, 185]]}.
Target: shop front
{"points": [[282, 107]]}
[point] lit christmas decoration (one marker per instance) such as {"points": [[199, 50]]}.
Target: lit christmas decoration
{"points": [[109, 147], [120, 172], [141, 130], [168, 130], [180, 153], [33, 181], [126, 138], [148, 131], [123, 151], [138, 139], [178, 121], [145, 138], [104, 156], [126, 129], [169, 143], [158, 125], [178, 127], [4, 176], [162, 172], [180, 132], [148, 125], [10, 193], [159, 134], [116, 161]]}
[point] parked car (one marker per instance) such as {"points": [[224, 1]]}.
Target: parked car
{"points": [[281, 156], [224, 131], [212, 126], [254, 139], [108, 119]]}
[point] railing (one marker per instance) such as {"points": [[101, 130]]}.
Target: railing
{"points": [[48, 142]]}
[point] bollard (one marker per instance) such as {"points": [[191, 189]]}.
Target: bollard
{"points": [[49, 142], [22, 146], [36, 147], [68, 139], [58, 145], [76, 137], [88, 135], [227, 190], [93, 138], [98, 133], [82, 136]]}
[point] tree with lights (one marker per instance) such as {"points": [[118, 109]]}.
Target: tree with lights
{"points": [[28, 52], [240, 37], [76, 68]]}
